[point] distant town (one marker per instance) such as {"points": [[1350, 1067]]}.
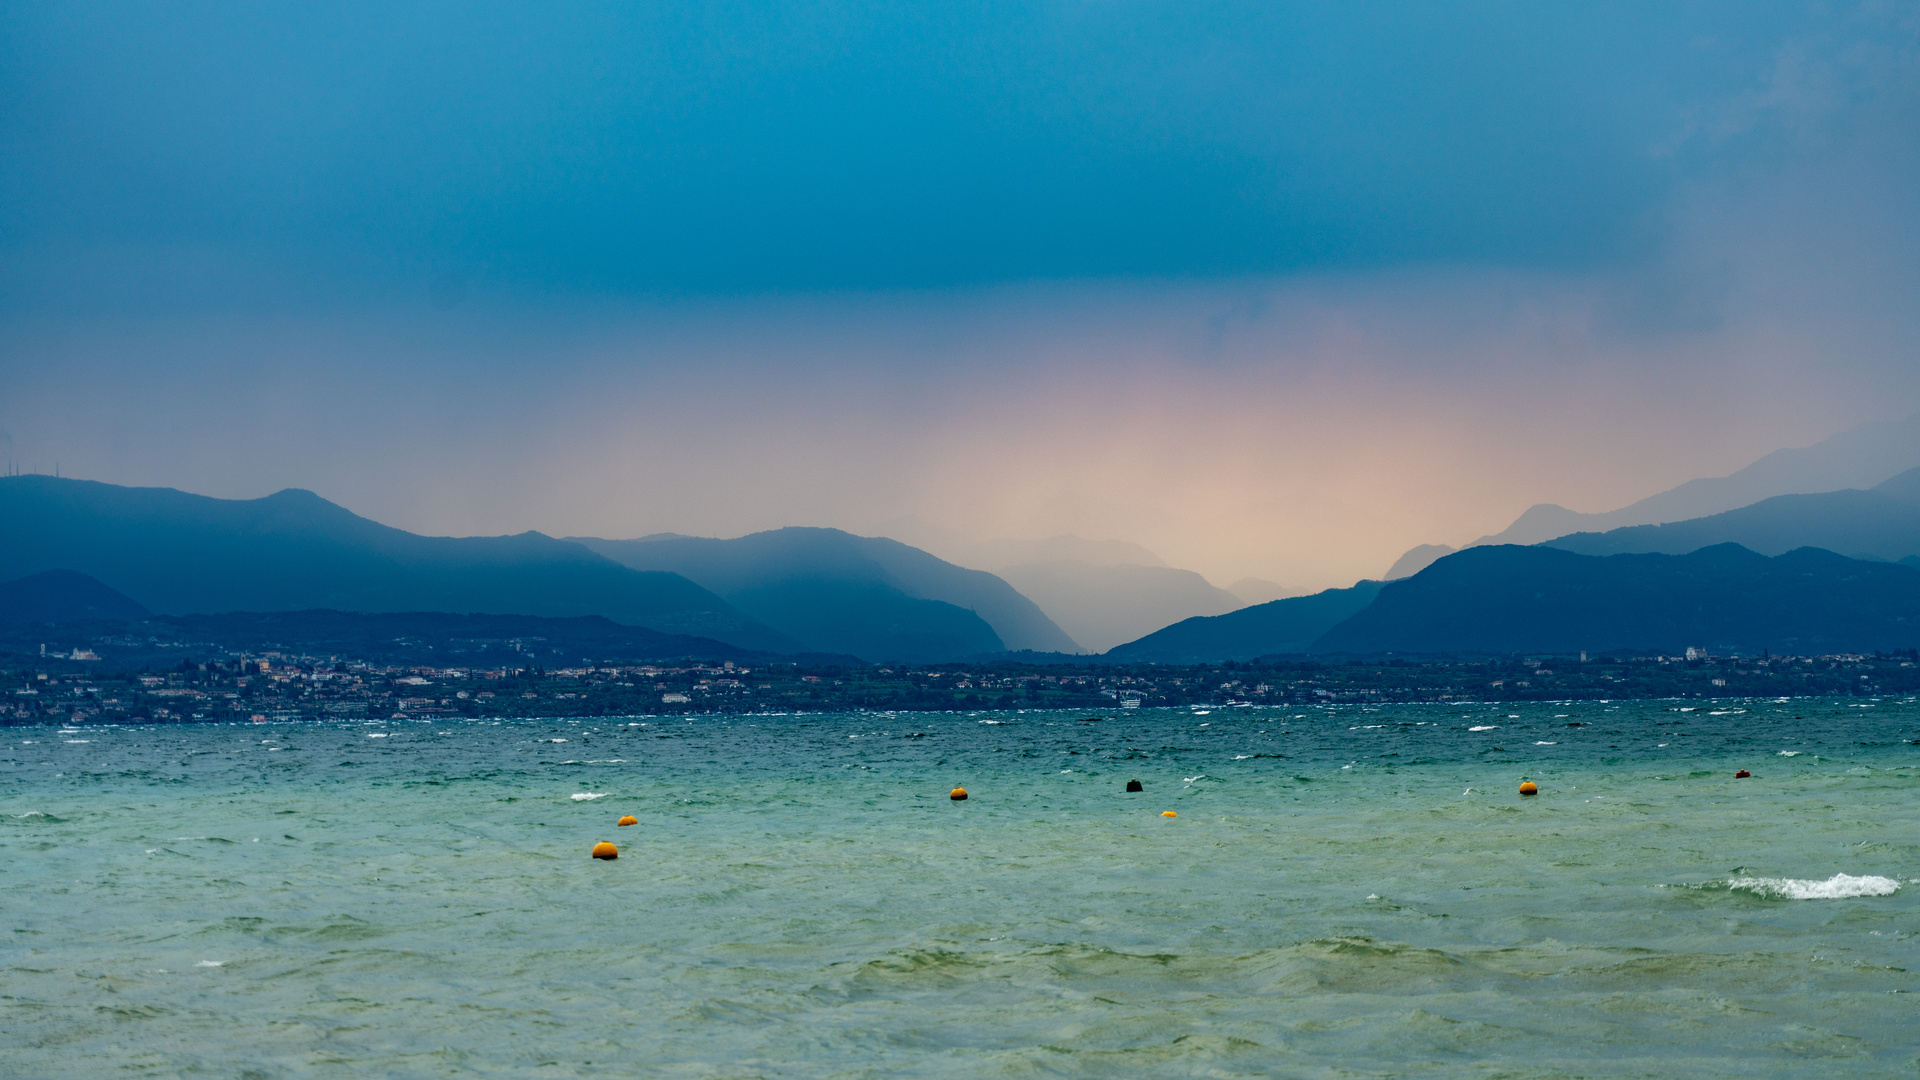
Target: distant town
{"points": [[274, 687]]}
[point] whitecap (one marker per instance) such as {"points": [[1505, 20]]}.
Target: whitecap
{"points": [[1546, 744], [79, 740], [1837, 887], [589, 796], [993, 721], [1484, 727], [211, 963], [1789, 753], [379, 735]]}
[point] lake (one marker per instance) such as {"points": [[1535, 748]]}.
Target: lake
{"points": [[1343, 892]]}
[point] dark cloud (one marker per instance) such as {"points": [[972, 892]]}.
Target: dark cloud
{"points": [[725, 148], [1274, 289]]}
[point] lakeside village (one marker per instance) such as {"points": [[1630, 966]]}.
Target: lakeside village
{"points": [[80, 688]]}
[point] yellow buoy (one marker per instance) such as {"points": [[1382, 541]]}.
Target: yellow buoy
{"points": [[604, 850], [957, 794], [1168, 813], [1529, 788], [628, 820]]}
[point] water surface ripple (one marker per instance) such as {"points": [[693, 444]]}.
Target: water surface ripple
{"points": [[1345, 892]]}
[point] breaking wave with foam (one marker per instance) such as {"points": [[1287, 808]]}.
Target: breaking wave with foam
{"points": [[1837, 887]]}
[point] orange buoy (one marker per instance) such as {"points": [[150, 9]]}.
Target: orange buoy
{"points": [[1529, 788], [628, 820], [1168, 813], [958, 794], [604, 850]]}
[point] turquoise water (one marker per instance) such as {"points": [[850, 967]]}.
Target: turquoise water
{"points": [[1344, 893]]}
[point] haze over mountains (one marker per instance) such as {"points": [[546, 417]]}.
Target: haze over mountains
{"points": [[1722, 591], [1882, 522], [1802, 572], [1104, 606], [868, 596], [1101, 592], [1860, 457], [178, 553]]}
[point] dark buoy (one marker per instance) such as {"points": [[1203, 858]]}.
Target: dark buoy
{"points": [[1742, 775], [958, 794], [1134, 785]]}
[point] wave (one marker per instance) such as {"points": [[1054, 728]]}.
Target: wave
{"points": [[589, 796], [1837, 887]]}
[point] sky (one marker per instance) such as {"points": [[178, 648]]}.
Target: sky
{"points": [[1273, 289]]}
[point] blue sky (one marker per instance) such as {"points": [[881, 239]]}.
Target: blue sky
{"points": [[248, 246]]}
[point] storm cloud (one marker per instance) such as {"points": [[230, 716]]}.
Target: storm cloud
{"points": [[1273, 289]]}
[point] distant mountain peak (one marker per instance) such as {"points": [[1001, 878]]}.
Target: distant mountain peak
{"points": [[61, 596], [1859, 457], [1418, 559]]}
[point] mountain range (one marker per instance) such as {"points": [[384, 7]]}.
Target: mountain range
{"points": [[177, 553], [1860, 457], [869, 596], [1882, 522], [1796, 573], [1513, 599], [61, 606], [1290, 625], [64, 596], [1801, 572], [1509, 598], [1101, 592]]}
